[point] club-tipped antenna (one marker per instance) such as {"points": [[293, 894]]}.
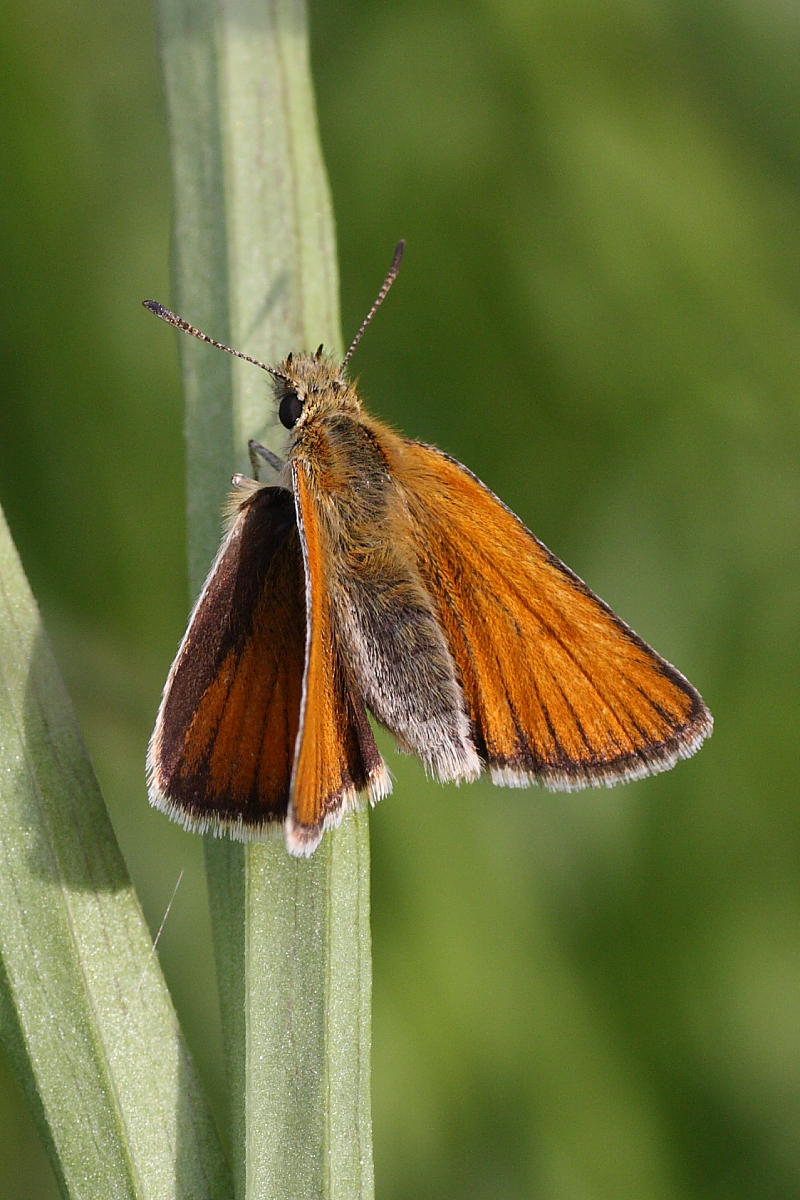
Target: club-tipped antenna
{"points": [[173, 319], [391, 275]]}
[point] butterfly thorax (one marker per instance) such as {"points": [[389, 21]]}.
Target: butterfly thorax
{"points": [[347, 467], [356, 524]]}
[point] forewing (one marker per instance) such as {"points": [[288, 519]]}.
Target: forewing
{"points": [[336, 755], [222, 750], [559, 689]]}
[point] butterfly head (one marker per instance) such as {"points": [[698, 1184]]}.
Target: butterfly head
{"points": [[311, 385]]}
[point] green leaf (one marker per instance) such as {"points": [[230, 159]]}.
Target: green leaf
{"points": [[86, 1015], [255, 266]]}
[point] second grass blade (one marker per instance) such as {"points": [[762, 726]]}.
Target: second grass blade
{"points": [[85, 1013]]}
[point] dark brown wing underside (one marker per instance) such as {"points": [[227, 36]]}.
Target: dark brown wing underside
{"points": [[223, 747], [233, 745]]}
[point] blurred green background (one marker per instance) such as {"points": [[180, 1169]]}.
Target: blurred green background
{"points": [[586, 997]]}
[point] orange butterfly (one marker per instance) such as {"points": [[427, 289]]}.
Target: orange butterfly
{"points": [[378, 573]]}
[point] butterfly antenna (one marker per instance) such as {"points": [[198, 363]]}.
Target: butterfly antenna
{"points": [[173, 319], [391, 275]]}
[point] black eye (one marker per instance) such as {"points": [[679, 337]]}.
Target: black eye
{"points": [[290, 408]]}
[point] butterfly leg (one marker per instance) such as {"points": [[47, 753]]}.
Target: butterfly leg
{"points": [[257, 451]]}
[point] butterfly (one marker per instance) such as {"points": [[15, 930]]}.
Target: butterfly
{"points": [[376, 574]]}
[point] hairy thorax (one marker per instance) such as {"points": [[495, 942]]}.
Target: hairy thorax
{"points": [[392, 637], [348, 471]]}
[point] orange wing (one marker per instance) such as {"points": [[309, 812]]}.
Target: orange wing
{"points": [[336, 756], [559, 689]]}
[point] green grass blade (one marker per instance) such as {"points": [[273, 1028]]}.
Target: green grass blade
{"points": [[295, 971], [85, 1014], [255, 266]]}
